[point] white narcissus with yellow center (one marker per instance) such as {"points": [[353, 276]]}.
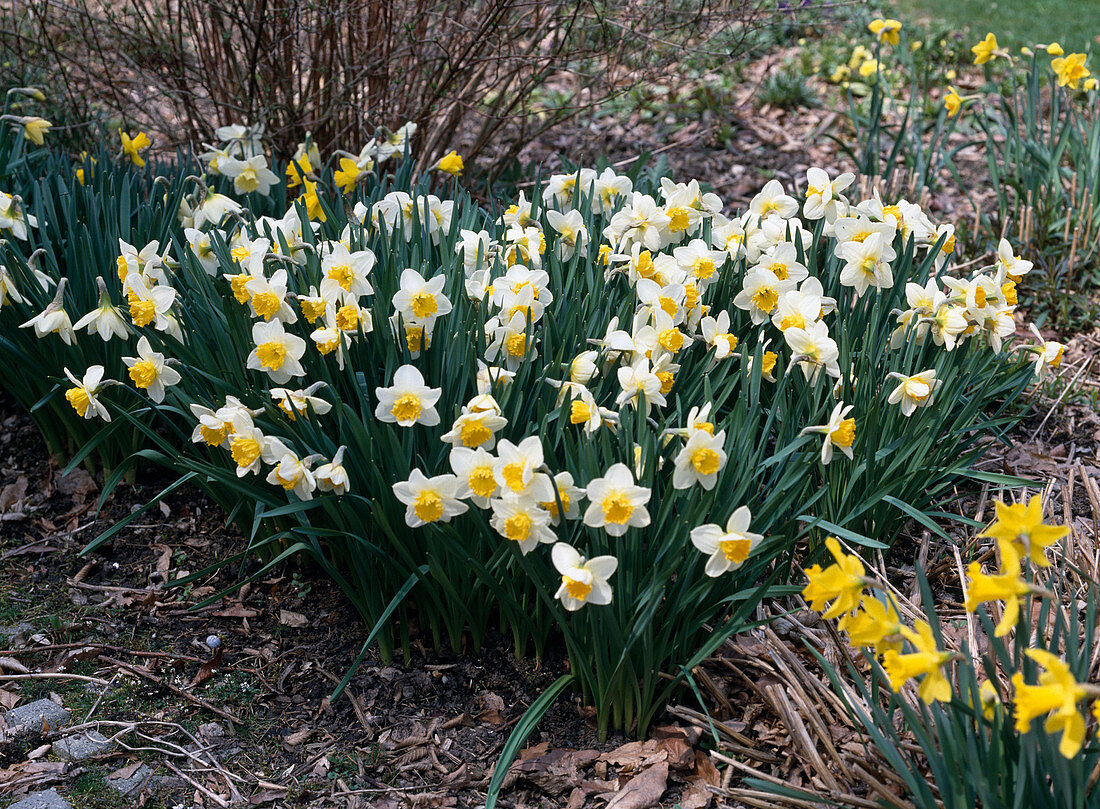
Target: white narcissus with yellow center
{"points": [[813, 349], [700, 460], [408, 400], [616, 503], [429, 499], [728, 548], [839, 431], [474, 469], [582, 582], [332, 476], [82, 396], [346, 272], [277, 353], [914, 391], [517, 466], [149, 372], [294, 475], [419, 300], [520, 519]]}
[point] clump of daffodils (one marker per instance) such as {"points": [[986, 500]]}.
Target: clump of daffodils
{"points": [[869, 616]]}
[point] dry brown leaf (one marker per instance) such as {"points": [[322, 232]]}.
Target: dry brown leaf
{"points": [[643, 790], [127, 771], [634, 756], [8, 699], [292, 619], [13, 494], [236, 611]]}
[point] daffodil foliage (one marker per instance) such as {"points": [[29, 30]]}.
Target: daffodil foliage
{"points": [[613, 412]]}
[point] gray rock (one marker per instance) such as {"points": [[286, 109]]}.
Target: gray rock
{"points": [[42, 800], [32, 715], [17, 635], [130, 787], [82, 746]]}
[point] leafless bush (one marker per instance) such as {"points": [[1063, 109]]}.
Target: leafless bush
{"points": [[468, 72]]}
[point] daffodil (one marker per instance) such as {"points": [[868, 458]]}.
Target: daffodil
{"points": [[700, 460], [841, 582], [295, 402], [582, 581], [952, 102], [875, 625], [1047, 355], [429, 500], [1070, 69], [133, 146], [990, 699], [475, 471], [474, 429], [35, 129], [926, 660], [53, 319], [1057, 694], [772, 200], [332, 476], [729, 547], [886, 30], [572, 234], [297, 170], [149, 371], [1005, 586], [517, 469], [14, 216], [267, 297], [839, 431], [104, 320], [249, 447], [293, 475], [347, 176], [986, 50], [277, 352], [914, 391], [867, 263], [616, 503], [408, 400], [450, 163], [813, 350], [82, 396], [419, 300], [1021, 525], [760, 293], [521, 520]]}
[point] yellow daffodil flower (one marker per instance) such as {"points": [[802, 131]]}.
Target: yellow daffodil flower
{"points": [[1005, 586], [927, 660], [451, 163], [1056, 694], [1070, 69], [843, 582], [952, 102], [876, 625], [986, 50], [1022, 526], [885, 30], [132, 146]]}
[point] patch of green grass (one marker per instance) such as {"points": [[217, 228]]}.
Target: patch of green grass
{"points": [[1073, 23]]}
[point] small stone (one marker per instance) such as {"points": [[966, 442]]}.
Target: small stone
{"points": [[130, 787], [16, 636], [42, 800], [32, 716], [82, 746]]}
